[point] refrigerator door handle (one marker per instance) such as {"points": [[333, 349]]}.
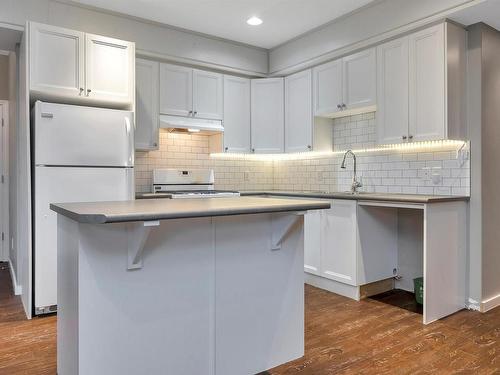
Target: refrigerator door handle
{"points": [[130, 138]]}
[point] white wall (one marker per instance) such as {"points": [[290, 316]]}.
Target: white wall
{"points": [[4, 77], [150, 38], [343, 34]]}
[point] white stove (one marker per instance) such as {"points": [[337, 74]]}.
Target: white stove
{"points": [[187, 183]]}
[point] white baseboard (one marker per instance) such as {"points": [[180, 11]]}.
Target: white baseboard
{"points": [[17, 289], [333, 286], [490, 303]]}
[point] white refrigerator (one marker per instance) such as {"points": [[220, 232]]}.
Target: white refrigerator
{"points": [[80, 154]]}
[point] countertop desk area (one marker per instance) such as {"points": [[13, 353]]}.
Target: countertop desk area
{"points": [[190, 286]]}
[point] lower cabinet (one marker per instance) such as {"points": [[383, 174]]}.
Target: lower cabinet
{"points": [[331, 242]]}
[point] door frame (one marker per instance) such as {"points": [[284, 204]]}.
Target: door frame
{"points": [[4, 187]]}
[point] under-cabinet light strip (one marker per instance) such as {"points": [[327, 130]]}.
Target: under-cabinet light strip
{"points": [[404, 147]]}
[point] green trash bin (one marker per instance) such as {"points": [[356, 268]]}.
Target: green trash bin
{"points": [[418, 284]]}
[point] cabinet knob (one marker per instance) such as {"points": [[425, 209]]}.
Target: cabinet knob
{"points": [[253, 150], [195, 112], [226, 149], [81, 91], [88, 92], [339, 106], [190, 112], [404, 137], [155, 144], [309, 147], [410, 137], [344, 106]]}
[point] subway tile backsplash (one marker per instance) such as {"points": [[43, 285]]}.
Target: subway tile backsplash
{"points": [[428, 169]]}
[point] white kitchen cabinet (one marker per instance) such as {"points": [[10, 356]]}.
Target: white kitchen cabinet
{"points": [[176, 90], [190, 92], [267, 114], [57, 61], [392, 91], [339, 242], [236, 114], [427, 84], [421, 90], [147, 102], [327, 88], [109, 69], [359, 74], [71, 66], [207, 94], [346, 86], [298, 112], [312, 242]]}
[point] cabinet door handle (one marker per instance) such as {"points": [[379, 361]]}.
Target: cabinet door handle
{"points": [[344, 106], [309, 147], [81, 91], [155, 144], [404, 137], [88, 92], [410, 137], [194, 113], [226, 149], [253, 150], [339, 106]]}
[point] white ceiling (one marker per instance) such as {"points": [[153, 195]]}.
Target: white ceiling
{"points": [[283, 19], [486, 11]]}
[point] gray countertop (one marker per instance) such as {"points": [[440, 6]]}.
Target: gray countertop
{"points": [[161, 209], [384, 197]]}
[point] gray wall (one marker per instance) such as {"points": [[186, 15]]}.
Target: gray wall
{"points": [[490, 151], [150, 38], [4, 77], [382, 17]]}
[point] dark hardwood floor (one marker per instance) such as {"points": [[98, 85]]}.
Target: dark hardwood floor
{"points": [[342, 337]]}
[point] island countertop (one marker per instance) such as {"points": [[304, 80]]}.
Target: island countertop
{"points": [[162, 209]]}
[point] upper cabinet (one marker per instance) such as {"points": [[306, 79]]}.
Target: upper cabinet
{"points": [[359, 72], [267, 113], [71, 66], [147, 104], [109, 69], [176, 90], [298, 112], [207, 94], [427, 84], [392, 91], [57, 60], [346, 86], [190, 92], [327, 88], [236, 114], [421, 90]]}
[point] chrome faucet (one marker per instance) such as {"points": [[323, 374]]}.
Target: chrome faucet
{"points": [[355, 183]]}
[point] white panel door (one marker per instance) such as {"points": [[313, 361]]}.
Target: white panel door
{"points": [[75, 136], [147, 101], [207, 95], [110, 69], [427, 85], [359, 79], [338, 242], [298, 112], [68, 184], [392, 91], [267, 111], [56, 61], [236, 114], [176, 90], [312, 242], [327, 88]]}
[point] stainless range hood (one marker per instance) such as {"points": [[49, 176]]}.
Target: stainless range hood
{"points": [[191, 124]]}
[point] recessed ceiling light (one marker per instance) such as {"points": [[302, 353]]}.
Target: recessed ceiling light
{"points": [[254, 21]]}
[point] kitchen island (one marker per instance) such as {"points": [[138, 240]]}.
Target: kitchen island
{"points": [[190, 286]]}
